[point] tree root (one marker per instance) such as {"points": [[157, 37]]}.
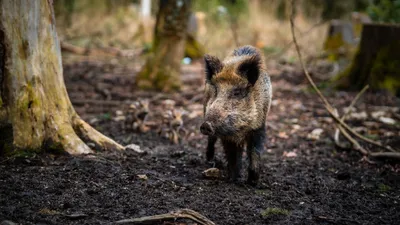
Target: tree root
{"points": [[89, 134], [71, 143], [179, 214], [343, 127]]}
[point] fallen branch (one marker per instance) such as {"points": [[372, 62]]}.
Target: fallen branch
{"points": [[328, 106], [179, 214], [385, 155], [100, 51]]}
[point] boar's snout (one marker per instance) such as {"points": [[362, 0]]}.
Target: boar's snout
{"points": [[206, 128]]}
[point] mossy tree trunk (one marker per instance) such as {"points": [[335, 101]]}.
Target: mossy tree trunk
{"points": [[377, 61], [162, 68], [34, 100]]}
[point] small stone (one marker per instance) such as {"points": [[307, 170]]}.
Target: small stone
{"points": [[135, 148], [377, 114], [76, 216], [143, 177], [359, 116], [290, 154], [315, 134], [387, 120], [8, 222]]}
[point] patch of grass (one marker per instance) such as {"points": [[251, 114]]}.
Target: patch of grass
{"points": [[265, 193], [382, 188], [372, 136], [274, 211], [271, 50], [105, 116]]}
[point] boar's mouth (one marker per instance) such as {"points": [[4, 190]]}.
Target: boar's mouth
{"points": [[223, 130]]}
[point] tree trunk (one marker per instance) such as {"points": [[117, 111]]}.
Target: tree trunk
{"points": [[162, 69], [377, 61], [33, 95]]}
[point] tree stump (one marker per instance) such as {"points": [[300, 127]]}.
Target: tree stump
{"points": [[377, 61]]}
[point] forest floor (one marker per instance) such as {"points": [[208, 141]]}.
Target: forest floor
{"points": [[304, 178]]}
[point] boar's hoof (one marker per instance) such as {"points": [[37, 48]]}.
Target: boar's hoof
{"points": [[252, 178]]}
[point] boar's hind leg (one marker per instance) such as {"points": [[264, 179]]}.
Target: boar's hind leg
{"points": [[211, 148], [255, 145], [233, 154]]}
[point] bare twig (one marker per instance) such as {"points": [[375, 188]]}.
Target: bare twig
{"points": [[340, 128], [179, 214], [328, 106], [355, 101], [290, 44]]}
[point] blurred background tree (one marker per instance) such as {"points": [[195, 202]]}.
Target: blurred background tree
{"points": [[326, 27], [386, 11], [162, 68]]}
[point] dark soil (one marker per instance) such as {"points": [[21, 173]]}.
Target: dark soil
{"points": [[303, 181]]}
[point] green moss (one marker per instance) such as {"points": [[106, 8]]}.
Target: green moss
{"points": [[334, 42], [26, 153], [385, 71], [193, 49], [382, 73], [274, 211]]}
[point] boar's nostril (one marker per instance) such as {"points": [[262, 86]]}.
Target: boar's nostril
{"points": [[206, 128]]}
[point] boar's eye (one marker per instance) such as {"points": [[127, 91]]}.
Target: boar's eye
{"points": [[239, 93]]}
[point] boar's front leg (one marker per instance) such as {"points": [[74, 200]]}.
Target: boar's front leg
{"points": [[255, 145], [211, 147], [233, 153]]}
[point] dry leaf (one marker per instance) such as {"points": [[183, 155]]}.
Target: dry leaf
{"points": [[283, 135], [212, 173]]}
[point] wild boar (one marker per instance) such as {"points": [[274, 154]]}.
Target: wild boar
{"points": [[237, 100]]}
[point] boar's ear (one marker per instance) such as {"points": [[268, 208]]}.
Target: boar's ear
{"points": [[250, 68], [213, 66]]}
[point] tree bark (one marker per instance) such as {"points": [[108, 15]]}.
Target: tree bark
{"points": [[377, 60], [162, 69], [33, 94]]}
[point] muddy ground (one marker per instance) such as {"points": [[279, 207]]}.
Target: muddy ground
{"points": [[304, 179]]}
